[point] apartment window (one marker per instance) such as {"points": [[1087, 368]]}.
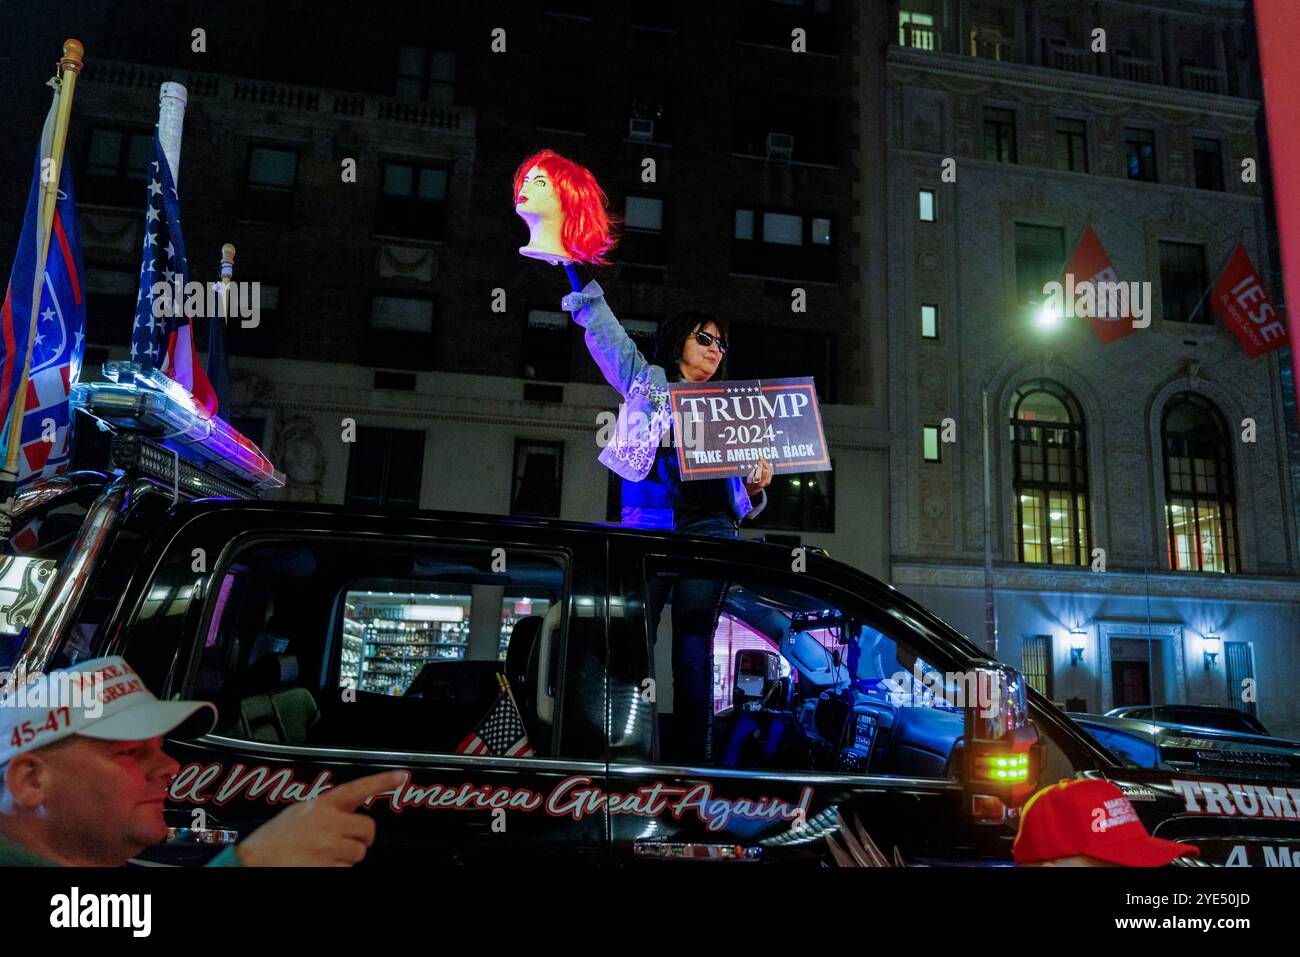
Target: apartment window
{"points": [[1040, 257], [930, 443], [412, 202], [1140, 154], [917, 30], [800, 503], [400, 335], [1207, 155], [769, 22], [925, 200], [562, 96], [1183, 282], [571, 8], [116, 161], [1036, 663], [1071, 145], [110, 299], [643, 231], [1050, 475], [999, 135], [546, 345], [929, 321], [538, 478], [1200, 504], [783, 126], [772, 352], [426, 75], [650, 112], [259, 340], [662, 15], [613, 498], [782, 244], [268, 188], [385, 467]]}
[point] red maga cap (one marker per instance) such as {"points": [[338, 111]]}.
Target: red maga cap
{"points": [[1092, 818]]}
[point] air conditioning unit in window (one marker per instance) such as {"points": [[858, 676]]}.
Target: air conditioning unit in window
{"points": [[640, 129], [780, 145]]}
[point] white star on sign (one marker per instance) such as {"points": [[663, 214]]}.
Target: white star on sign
{"points": [[171, 250], [155, 188], [79, 336], [150, 215], [168, 274], [148, 239], [39, 337], [48, 314], [133, 353], [154, 164]]}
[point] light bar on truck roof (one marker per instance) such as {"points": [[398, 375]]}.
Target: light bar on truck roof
{"points": [[146, 402]]}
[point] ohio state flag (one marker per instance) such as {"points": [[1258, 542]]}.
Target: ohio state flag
{"points": [[1106, 305], [1240, 300]]}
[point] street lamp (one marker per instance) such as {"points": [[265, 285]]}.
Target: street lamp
{"points": [[1211, 644], [1078, 642]]}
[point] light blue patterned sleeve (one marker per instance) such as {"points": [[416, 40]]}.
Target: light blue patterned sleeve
{"points": [[617, 356]]}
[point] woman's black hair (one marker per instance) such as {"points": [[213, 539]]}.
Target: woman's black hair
{"points": [[672, 340]]}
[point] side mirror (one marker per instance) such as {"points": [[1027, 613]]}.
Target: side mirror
{"points": [[1000, 756], [756, 672]]}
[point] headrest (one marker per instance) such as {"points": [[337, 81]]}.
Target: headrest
{"points": [[273, 672], [522, 638]]}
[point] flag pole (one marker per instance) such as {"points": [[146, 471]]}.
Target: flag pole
{"points": [[227, 275], [1241, 241], [68, 68]]}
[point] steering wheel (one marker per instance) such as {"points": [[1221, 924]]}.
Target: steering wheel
{"points": [[775, 698]]}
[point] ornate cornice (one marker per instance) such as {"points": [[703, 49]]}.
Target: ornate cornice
{"points": [[1023, 578], [966, 73]]}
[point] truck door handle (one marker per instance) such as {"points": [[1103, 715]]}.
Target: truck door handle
{"points": [[664, 851], [194, 835]]}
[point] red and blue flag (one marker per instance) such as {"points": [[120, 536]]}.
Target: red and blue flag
{"points": [[58, 343]]}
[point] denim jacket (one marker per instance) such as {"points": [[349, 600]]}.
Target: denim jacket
{"points": [[645, 413]]}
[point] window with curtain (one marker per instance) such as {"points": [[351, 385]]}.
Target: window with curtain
{"points": [[1200, 503], [1050, 475]]}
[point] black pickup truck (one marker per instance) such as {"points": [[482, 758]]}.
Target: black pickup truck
{"points": [[508, 665]]}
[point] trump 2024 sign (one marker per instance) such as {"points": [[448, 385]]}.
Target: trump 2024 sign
{"points": [[726, 427]]}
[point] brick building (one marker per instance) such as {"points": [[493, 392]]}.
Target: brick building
{"points": [[1139, 448]]}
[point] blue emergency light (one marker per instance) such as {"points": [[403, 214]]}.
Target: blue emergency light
{"points": [[145, 402]]}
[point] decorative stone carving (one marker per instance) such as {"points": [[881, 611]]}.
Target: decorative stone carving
{"points": [[109, 231], [300, 453], [406, 262]]}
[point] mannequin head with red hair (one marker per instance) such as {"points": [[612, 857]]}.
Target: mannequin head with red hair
{"points": [[565, 210]]}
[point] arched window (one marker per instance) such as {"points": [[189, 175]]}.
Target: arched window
{"points": [[1050, 475], [1200, 504]]}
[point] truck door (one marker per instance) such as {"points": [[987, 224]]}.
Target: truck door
{"points": [[806, 731], [472, 655]]}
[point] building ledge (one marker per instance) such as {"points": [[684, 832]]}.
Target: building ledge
{"points": [[1042, 78], [1081, 581]]}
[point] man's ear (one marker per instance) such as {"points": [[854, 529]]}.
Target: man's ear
{"points": [[26, 779]]}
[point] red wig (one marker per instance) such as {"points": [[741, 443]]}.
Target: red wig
{"points": [[587, 230]]}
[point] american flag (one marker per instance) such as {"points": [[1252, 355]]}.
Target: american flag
{"points": [[501, 732], [166, 342]]}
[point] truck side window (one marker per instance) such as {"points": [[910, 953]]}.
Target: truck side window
{"points": [[404, 648], [756, 675]]}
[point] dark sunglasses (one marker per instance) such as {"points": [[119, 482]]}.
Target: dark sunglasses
{"points": [[707, 339]]}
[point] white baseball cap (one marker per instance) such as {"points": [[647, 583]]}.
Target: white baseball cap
{"points": [[101, 698]]}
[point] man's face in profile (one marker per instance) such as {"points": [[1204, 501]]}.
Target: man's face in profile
{"points": [[103, 800]]}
